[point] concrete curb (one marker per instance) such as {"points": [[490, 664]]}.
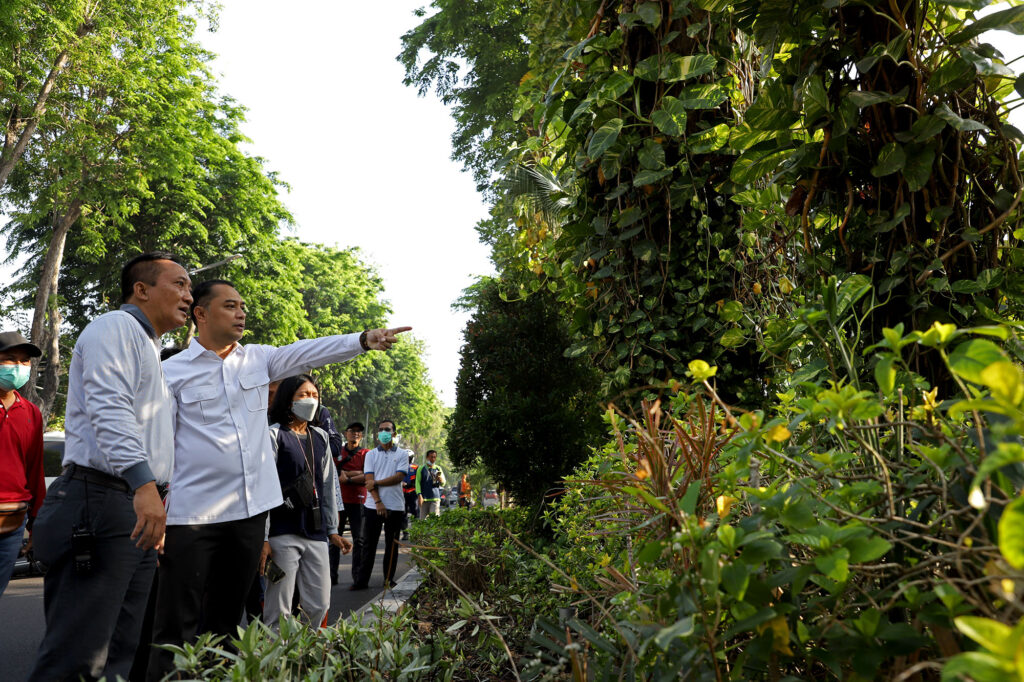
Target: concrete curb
{"points": [[391, 599]]}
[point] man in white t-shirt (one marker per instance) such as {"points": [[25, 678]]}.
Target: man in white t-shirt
{"points": [[384, 468]]}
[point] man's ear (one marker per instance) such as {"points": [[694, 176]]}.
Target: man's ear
{"points": [[200, 313], [140, 290]]}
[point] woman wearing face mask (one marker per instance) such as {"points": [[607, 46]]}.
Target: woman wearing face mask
{"points": [[301, 528]]}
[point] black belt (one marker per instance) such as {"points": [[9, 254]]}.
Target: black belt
{"points": [[90, 475]]}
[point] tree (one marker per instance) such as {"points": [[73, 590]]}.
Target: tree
{"points": [[523, 410], [473, 55]]}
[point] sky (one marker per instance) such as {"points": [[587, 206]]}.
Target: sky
{"points": [[367, 159]]}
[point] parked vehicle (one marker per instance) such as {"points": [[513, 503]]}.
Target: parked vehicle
{"points": [[490, 497], [53, 458]]}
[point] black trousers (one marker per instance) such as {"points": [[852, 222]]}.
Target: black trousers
{"points": [[93, 618], [372, 525], [352, 515], [206, 572]]}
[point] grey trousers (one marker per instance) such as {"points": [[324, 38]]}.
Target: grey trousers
{"points": [[430, 508], [306, 564], [93, 618]]}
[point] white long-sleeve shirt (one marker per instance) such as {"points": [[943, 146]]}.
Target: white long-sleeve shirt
{"points": [[118, 417], [224, 460]]}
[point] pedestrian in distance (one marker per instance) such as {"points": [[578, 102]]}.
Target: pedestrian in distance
{"points": [[353, 496], [385, 468], [412, 505], [22, 486], [301, 528], [430, 482], [225, 476], [103, 519]]}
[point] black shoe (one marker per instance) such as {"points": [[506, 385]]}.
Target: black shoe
{"points": [[390, 583], [356, 586]]}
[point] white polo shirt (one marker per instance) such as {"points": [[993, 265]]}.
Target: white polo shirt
{"points": [[384, 463], [224, 466]]}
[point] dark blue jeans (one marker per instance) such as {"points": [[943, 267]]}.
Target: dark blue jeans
{"points": [[93, 618], [10, 545]]}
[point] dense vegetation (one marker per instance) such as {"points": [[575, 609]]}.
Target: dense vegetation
{"points": [[789, 236]]}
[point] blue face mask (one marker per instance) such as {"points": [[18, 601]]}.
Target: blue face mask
{"points": [[384, 437], [13, 376]]}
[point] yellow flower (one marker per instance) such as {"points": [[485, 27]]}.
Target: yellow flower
{"points": [[778, 434]]}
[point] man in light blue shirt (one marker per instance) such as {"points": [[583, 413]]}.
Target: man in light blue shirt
{"points": [[385, 467], [103, 520]]}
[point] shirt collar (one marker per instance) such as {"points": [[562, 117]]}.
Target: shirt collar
{"points": [[136, 312], [195, 349]]}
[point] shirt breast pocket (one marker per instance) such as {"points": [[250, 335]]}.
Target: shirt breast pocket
{"points": [[254, 390], [199, 404]]}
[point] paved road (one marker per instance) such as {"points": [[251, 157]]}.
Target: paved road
{"points": [[22, 624]]}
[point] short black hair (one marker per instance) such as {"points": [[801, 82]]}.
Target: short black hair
{"points": [[355, 426], [143, 269], [202, 293], [169, 353], [281, 409], [394, 426], [430, 452]]}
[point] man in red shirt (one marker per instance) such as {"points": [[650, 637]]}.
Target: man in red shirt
{"points": [[353, 494], [22, 486]]}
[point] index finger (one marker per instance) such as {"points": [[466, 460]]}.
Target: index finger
{"points": [[397, 330]]}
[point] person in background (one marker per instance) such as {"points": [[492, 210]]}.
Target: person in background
{"points": [[102, 523], [430, 481], [300, 529], [22, 486], [385, 468], [353, 495], [225, 477], [464, 492], [412, 507]]}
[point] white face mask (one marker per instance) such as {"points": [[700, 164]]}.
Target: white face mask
{"points": [[305, 409]]}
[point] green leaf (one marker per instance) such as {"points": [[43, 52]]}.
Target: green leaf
{"points": [[650, 13], [705, 96], [977, 666], [682, 628], [1011, 533], [951, 76], [926, 127], [735, 579], [866, 550], [772, 110], [918, 168], [682, 68], [891, 159], [732, 338], [991, 634], [867, 98], [709, 140], [651, 156], [753, 165], [1011, 20], [816, 103], [604, 138], [971, 357], [671, 117], [885, 374], [689, 502], [615, 86], [835, 565], [731, 311], [649, 177], [962, 124], [648, 68]]}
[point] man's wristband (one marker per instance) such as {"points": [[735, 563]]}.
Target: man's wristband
{"points": [[362, 341]]}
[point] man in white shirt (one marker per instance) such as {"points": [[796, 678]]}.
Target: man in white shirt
{"points": [[225, 478], [384, 468], [103, 520]]}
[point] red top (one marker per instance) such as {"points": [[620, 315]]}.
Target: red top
{"points": [[352, 494], [21, 454]]}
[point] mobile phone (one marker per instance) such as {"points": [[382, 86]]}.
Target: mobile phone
{"points": [[83, 542], [274, 573]]}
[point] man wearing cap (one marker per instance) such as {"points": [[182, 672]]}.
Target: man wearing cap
{"points": [[103, 520], [22, 486]]}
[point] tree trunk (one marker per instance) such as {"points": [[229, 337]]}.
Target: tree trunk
{"points": [[46, 315], [10, 156]]}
